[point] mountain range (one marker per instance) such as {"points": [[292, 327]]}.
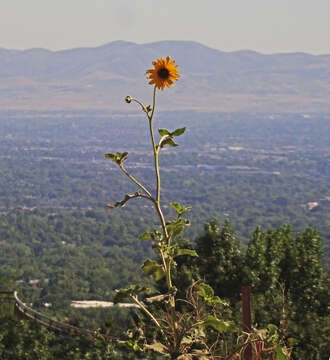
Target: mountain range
{"points": [[99, 78]]}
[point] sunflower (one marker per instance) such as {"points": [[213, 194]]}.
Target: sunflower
{"points": [[163, 73]]}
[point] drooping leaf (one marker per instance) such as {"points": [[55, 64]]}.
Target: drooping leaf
{"points": [[150, 267], [123, 202], [169, 141]]}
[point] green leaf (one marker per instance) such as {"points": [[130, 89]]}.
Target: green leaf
{"points": [[180, 209], [121, 295], [124, 201], [150, 267], [169, 141], [272, 329], [163, 132], [207, 293], [218, 325], [176, 227], [110, 156], [117, 157], [134, 345], [155, 235], [147, 236], [123, 157], [281, 353], [189, 252], [178, 132]]}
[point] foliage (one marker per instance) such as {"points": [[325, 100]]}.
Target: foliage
{"points": [[24, 340], [289, 285], [256, 169], [219, 252], [72, 255], [291, 265]]}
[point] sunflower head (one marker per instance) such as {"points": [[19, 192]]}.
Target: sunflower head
{"points": [[164, 73]]}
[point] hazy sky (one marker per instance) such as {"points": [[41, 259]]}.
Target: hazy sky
{"points": [[267, 26]]}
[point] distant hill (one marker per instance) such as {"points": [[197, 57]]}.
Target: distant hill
{"points": [[100, 78]]}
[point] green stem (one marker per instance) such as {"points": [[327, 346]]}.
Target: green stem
{"points": [[135, 181], [153, 105], [166, 260], [156, 165], [142, 106], [142, 307], [154, 147]]}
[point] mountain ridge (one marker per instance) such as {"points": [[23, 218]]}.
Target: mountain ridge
{"points": [[100, 77], [192, 42]]}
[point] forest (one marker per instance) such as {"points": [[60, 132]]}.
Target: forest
{"points": [[258, 186]]}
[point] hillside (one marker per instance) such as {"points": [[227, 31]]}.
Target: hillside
{"points": [[99, 78], [255, 169]]}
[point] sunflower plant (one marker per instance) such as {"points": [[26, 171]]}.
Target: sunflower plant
{"points": [[195, 326]]}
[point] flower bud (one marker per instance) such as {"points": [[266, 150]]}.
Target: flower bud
{"points": [[128, 99]]}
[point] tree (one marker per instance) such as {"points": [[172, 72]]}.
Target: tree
{"points": [[269, 258], [290, 288], [307, 271], [220, 259]]}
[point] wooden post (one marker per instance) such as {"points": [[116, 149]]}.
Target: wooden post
{"points": [[246, 317]]}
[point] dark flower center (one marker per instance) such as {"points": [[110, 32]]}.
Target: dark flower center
{"points": [[163, 73]]}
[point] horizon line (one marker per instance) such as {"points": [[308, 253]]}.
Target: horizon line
{"points": [[162, 41]]}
